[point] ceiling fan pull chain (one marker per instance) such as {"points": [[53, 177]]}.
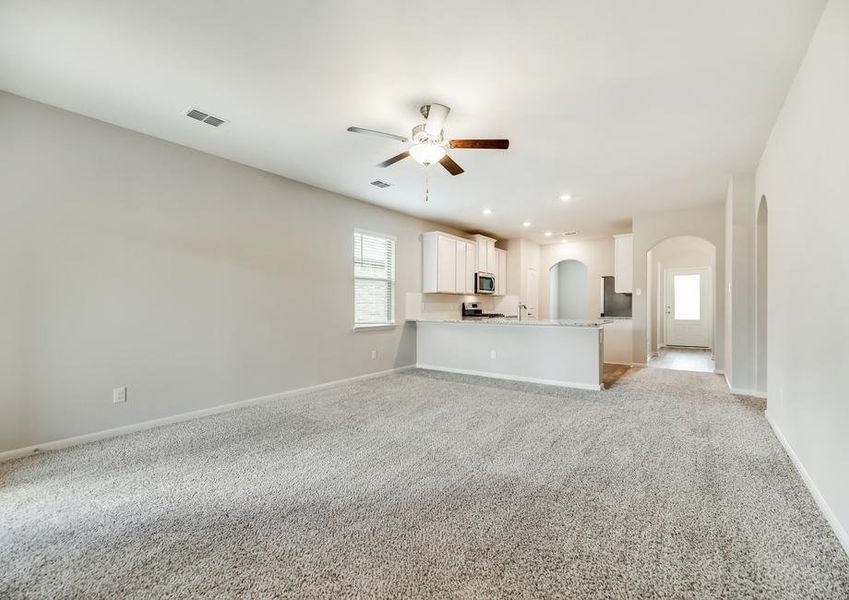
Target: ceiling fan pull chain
{"points": [[427, 185]]}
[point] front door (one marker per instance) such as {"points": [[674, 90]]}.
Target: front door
{"points": [[688, 307]]}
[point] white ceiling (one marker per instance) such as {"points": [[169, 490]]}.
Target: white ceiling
{"points": [[629, 106]]}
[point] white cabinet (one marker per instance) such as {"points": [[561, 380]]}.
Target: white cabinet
{"points": [[445, 264], [471, 257], [500, 272], [623, 263], [439, 263], [449, 263], [460, 267], [486, 260]]}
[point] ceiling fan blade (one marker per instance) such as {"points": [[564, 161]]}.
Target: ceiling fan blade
{"points": [[394, 159], [377, 133], [450, 166], [480, 144], [436, 115]]}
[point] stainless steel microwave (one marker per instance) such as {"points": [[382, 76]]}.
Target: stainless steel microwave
{"points": [[484, 283]]}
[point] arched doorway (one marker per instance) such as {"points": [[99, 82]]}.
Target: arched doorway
{"points": [[568, 290], [761, 270], [680, 304]]}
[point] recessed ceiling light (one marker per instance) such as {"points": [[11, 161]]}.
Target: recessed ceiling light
{"points": [[563, 241], [566, 197], [487, 211], [526, 224], [547, 234]]}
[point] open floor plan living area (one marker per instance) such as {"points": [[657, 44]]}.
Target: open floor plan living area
{"points": [[449, 300]]}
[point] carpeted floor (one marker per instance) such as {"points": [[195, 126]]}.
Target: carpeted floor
{"points": [[430, 485]]}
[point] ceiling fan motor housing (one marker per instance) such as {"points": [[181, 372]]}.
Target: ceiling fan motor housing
{"points": [[421, 136]]}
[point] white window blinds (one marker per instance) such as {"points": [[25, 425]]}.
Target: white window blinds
{"points": [[374, 279]]}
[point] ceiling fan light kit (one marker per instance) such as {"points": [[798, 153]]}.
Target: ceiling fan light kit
{"points": [[429, 143], [427, 153]]}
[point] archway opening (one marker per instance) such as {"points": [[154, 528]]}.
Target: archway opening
{"points": [[762, 247], [681, 304], [568, 290]]}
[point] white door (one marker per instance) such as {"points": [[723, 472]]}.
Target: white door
{"points": [[532, 293], [688, 307], [460, 269], [491, 264], [446, 265], [471, 255]]}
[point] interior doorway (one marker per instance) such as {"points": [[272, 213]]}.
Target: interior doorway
{"points": [[568, 290], [762, 247], [680, 304]]}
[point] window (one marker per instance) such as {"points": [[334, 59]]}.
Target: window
{"points": [[374, 279], [687, 296]]}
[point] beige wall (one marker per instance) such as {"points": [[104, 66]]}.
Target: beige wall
{"points": [[804, 174], [706, 222], [596, 254], [194, 281]]}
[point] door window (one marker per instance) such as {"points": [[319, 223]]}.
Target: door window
{"points": [[687, 297]]}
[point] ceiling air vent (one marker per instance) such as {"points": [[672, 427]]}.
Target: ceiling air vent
{"points": [[380, 184], [199, 115]]}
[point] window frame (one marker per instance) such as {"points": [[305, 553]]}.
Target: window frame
{"points": [[393, 308]]}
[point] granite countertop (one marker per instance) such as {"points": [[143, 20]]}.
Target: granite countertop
{"points": [[517, 322]]}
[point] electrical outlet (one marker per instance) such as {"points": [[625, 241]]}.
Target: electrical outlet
{"points": [[374, 354], [119, 395], [492, 354]]}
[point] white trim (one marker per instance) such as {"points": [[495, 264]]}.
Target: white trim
{"points": [[754, 393], [187, 416], [555, 382], [375, 234], [842, 534], [636, 364], [625, 364], [366, 327], [741, 392]]}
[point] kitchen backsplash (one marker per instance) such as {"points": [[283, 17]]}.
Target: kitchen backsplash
{"points": [[449, 305]]}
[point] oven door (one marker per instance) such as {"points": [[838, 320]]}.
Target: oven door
{"points": [[485, 283]]}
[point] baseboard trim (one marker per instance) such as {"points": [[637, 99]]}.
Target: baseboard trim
{"points": [[754, 393], [739, 391], [825, 509], [555, 382], [624, 364], [186, 416]]}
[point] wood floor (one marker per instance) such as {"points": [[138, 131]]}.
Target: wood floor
{"points": [[612, 374]]}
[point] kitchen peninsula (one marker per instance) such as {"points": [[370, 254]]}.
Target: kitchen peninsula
{"points": [[553, 352]]}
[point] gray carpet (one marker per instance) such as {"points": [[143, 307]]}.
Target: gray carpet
{"points": [[430, 485]]}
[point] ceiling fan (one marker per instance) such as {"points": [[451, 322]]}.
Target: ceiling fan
{"points": [[429, 143]]}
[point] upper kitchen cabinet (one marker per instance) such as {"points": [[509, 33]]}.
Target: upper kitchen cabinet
{"points": [[486, 259], [623, 263], [500, 272], [448, 264]]}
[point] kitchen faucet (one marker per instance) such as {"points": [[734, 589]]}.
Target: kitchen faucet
{"points": [[521, 306]]}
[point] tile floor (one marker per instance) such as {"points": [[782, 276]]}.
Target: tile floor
{"points": [[683, 359]]}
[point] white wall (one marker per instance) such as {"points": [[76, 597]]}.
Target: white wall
{"points": [[740, 284], [129, 261], [596, 254], [683, 252], [804, 174], [571, 289], [706, 222], [521, 256]]}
